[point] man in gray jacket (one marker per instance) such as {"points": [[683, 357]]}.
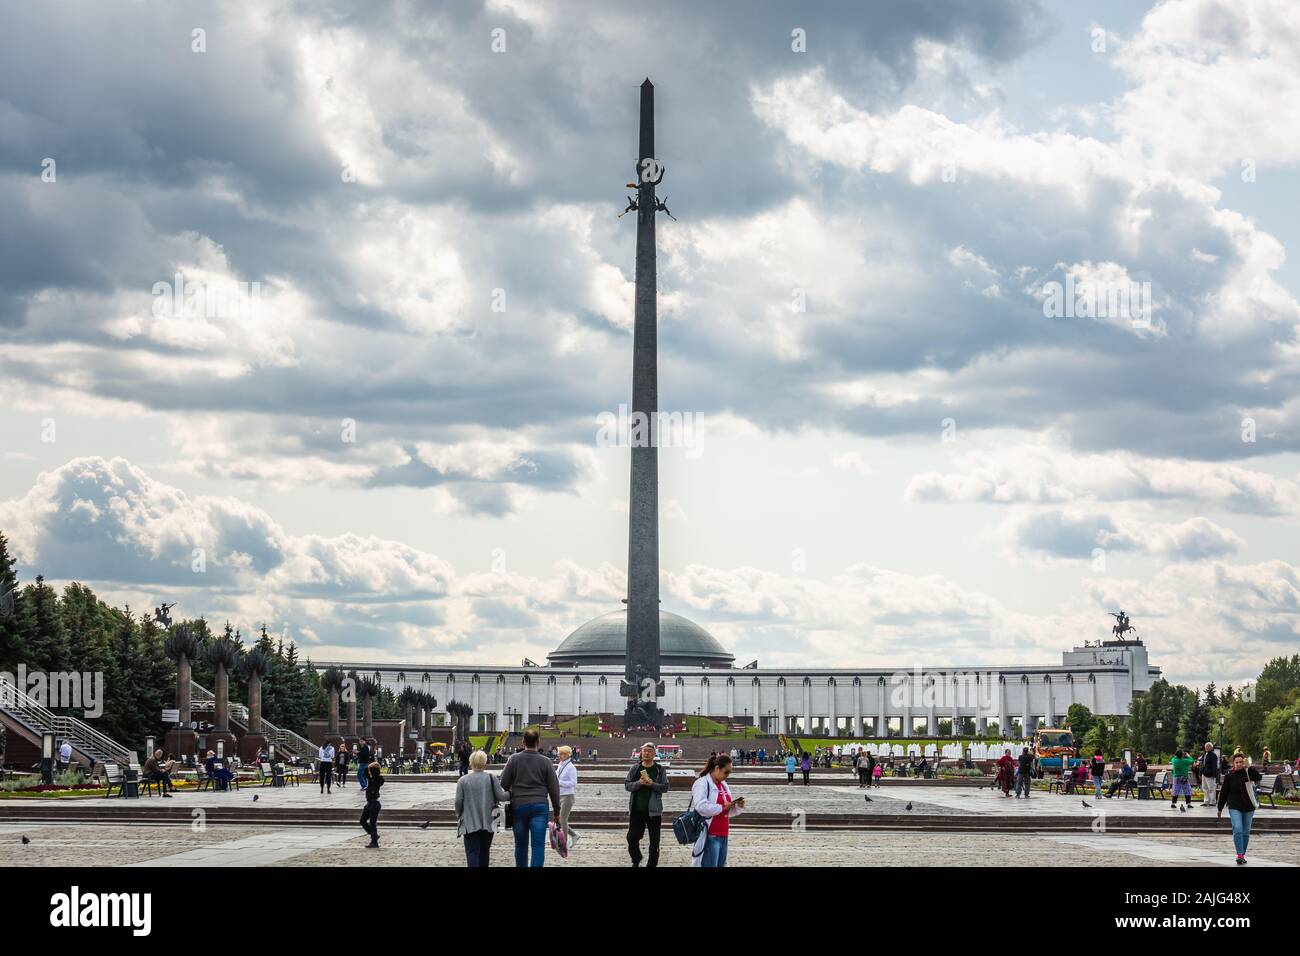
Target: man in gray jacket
{"points": [[647, 782]]}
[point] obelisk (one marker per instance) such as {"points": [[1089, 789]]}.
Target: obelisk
{"points": [[643, 687]]}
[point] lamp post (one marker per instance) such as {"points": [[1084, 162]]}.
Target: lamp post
{"points": [[697, 721], [1160, 725], [47, 758], [1295, 722]]}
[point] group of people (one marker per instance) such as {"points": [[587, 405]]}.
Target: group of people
{"points": [[1231, 788], [536, 798], [332, 763]]}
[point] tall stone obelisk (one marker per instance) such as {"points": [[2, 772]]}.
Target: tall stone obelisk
{"points": [[643, 686]]}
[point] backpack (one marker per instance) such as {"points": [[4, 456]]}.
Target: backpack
{"points": [[688, 827]]}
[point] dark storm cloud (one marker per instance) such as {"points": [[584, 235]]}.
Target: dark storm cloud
{"points": [[485, 166]]}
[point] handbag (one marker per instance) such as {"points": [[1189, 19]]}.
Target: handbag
{"points": [[688, 827]]}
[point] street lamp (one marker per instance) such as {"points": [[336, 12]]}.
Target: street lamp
{"points": [[1295, 722], [1160, 725]]}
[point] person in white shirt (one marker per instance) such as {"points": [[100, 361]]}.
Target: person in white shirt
{"points": [[326, 772], [65, 755], [711, 798], [567, 774]]}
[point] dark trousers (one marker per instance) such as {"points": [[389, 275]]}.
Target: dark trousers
{"points": [[864, 776], [341, 774], [326, 775], [163, 779], [370, 819], [637, 825], [805, 777], [477, 846]]}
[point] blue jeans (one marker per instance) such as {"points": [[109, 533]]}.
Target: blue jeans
{"points": [[1096, 782], [715, 852], [530, 819], [1241, 829], [361, 776]]}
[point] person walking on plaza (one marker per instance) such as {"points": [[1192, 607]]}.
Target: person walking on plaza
{"points": [[567, 774], [462, 757], [325, 767], [1209, 776], [805, 766], [647, 782], [1006, 771], [341, 764], [1097, 768], [1237, 793], [478, 794], [531, 780], [791, 764], [1024, 772], [370, 813], [711, 798], [365, 757], [1182, 766]]}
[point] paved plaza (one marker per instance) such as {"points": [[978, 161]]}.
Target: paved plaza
{"points": [[116, 845], [197, 844], [603, 790]]}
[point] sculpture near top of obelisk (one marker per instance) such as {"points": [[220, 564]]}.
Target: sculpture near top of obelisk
{"points": [[643, 684]]}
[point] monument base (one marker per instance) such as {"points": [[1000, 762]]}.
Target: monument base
{"points": [[251, 744], [645, 715], [180, 743], [229, 743]]}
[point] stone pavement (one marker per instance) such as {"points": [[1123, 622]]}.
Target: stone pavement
{"points": [[598, 792], [95, 845]]}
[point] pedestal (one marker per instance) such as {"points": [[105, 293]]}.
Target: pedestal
{"points": [[180, 743], [251, 744], [231, 742]]}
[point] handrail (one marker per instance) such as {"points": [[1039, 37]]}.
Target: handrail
{"points": [[282, 737], [81, 735]]}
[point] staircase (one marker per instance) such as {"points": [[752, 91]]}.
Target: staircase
{"points": [[285, 740], [31, 720]]}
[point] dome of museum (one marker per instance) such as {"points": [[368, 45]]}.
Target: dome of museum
{"points": [[603, 640]]}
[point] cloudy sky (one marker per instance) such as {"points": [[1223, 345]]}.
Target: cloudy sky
{"points": [[387, 447]]}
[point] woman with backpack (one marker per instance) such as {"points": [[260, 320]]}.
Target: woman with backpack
{"points": [[711, 799], [805, 765]]}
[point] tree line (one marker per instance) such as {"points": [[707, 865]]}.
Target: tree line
{"points": [[75, 631], [1170, 717]]}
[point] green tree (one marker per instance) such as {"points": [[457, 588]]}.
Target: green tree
{"points": [[45, 639], [1080, 720], [12, 646], [1284, 672], [1279, 731], [1194, 727]]}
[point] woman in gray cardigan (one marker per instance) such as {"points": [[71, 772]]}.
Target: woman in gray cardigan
{"points": [[477, 795]]}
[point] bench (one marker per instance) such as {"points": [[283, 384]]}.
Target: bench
{"points": [[116, 778], [127, 781], [205, 779], [1162, 784], [278, 775], [1285, 786], [1267, 784]]}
